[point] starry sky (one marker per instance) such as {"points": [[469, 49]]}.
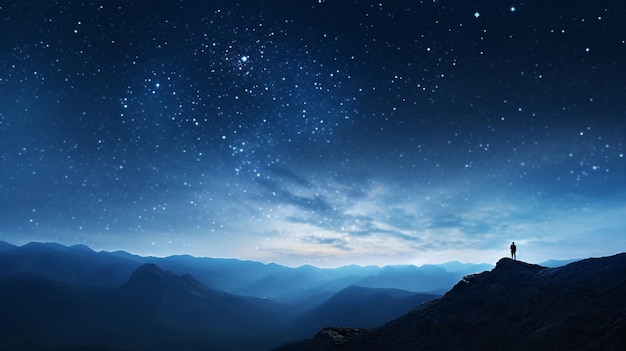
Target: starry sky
{"points": [[320, 132]]}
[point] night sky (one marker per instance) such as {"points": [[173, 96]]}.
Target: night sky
{"points": [[316, 132]]}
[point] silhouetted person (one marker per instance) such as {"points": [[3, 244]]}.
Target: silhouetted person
{"points": [[513, 251]]}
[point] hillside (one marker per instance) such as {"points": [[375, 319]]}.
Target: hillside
{"points": [[515, 306], [361, 307]]}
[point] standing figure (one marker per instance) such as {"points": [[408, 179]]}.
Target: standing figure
{"points": [[513, 251]]}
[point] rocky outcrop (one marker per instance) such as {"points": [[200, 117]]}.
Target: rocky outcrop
{"points": [[515, 306], [326, 339]]}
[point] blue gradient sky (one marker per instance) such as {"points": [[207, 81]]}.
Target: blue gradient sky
{"points": [[316, 132]]}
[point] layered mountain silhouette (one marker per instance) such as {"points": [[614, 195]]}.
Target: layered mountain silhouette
{"points": [[159, 310], [54, 297], [65, 297], [515, 306], [153, 310], [78, 265], [304, 286]]}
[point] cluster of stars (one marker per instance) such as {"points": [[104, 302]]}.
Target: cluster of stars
{"points": [[170, 118]]}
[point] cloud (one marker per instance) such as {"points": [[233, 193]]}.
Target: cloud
{"points": [[291, 216], [333, 242]]}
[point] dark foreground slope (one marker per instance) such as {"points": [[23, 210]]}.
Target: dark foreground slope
{"points": [[516, 306]]}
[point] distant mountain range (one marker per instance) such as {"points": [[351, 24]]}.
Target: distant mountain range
{"points": [[515, 306], [58, 297], [81, 266]]}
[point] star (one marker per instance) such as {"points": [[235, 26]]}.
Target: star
{"points": [[296, 134]]}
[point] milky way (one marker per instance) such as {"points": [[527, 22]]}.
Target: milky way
{"points": [[324, 132]]}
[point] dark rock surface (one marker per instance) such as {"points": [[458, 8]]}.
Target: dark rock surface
{"points": [[516, 306], [325, 339]]}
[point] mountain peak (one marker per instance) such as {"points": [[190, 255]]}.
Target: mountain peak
{"points": [[150, 279], [507, 264], [150, 273], [149, 269]]}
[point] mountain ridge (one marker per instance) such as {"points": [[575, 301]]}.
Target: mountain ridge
{"points": [[515, 306], [80, 265]]}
